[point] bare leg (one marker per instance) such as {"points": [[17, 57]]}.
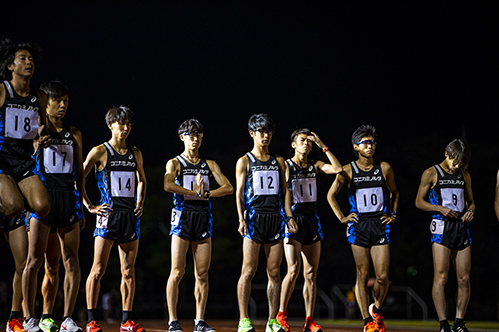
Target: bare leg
{"points": [[273, 253], [70, 243], [311, 255], [381, 262], [11, 199], [292, 252], [179, 251], [462, 264], [37, 245], [102, 249], [441, 264], [361, 257], [128, 255], [18, 242], [202, 260], [248, 270], [36, 194], [50, 284]]}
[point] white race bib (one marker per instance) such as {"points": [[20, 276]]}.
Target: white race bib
{"points": [[122, 184], [437, 227], [369, 199], [266, 182], [175, 217], [102, 222], [21, 124], [58, 159], [304, 190], [453, 198], [190, 180]]}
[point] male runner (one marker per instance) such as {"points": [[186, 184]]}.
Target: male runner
{"points": [[374, 199], [188, 177], [22, 119], [61, 168], [450, 199], [301, 177], [261, 188], [122, 184], [14, 230]]}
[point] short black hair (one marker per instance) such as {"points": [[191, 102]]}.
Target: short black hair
{"points": [[299, 131], [261, 121], [460, 152], [120, 114], [363, 131], [190, 126], [54, 89], [8, 50]]}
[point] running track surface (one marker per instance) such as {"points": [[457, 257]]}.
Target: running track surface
{"points": [[231, 326]]}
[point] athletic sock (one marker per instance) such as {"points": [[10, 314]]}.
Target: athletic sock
{"points": [[91, 315], [376, 310], [459, 322], [444, 323], [45, 316], [14, 315], [126, 316], [64, 318]]}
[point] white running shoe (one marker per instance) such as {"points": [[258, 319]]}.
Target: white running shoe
{"points": [[69, 325]]}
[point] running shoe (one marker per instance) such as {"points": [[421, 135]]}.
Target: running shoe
{"points": [[311, 325], [93, 326], [282, 319], [377, 318], [48, 325], [445, 328], [15, 325], [31, 325], [131, 326], [245, 326], [370, 327], [274, 326], [201, 326], [69, 325], [174, 326], [459, 328]]}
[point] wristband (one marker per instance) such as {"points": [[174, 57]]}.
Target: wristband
{"points": [[288, 218], [325, 149], [471, 210]]}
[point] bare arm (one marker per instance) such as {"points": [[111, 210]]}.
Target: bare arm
{"points": [[97, 157], [291, 223], [225, 186], [468, 196], [341, 179], [78, 160], [43, 137], [428, 180], [496, 205], [394, 194], [241, 173], [172, 171], [141, 184], [335, 166]]}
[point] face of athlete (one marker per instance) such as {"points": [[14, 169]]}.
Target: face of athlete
{"points": [[57, 107], [24, 64], [261, 137], [192, 140], [366, 146], [450, 165], [302, 144], [120, 130]]}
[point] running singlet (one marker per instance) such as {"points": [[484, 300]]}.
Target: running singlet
{"points": [[18, 127], [303, 187], [448, 192], [368, 193], [55, 164], [262, 185], [187, 179], [117, 181]]}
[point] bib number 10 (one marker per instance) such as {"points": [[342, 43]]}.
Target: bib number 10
{"points": [[369, 199]]}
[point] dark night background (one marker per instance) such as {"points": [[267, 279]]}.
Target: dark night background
{"points": [[422, 74]]}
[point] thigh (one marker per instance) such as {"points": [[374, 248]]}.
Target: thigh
{"points": [[361, 256], [292, 250], [202, 255], [35, 191], [441, 255], [53, 252], [179, 250], [381, 258], [38, 237], [70, 240], [311, 256], [128, 254], [462, 262], [102, 249], [273, 252], [18, 242], [9, 193], [251, 250]]}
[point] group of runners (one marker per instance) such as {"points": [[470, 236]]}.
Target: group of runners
{"points": [[42, 188]]}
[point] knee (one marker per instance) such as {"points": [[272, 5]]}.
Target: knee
{"points": [[33, 263], [274, 274], [247, 273], [202, 276], [310, 275], [382, 279], [72, 264], [464, 282], [176, 274], [128, 273], [293, 271], [96, 273], [41, 208], [12, 209], [362, 275], [440, 279]]}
